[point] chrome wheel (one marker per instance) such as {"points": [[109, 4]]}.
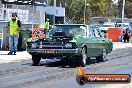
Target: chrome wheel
{"points": [[102, 58], [104, 55], [84, 57]]}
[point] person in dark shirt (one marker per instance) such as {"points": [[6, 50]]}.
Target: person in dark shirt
{"points": [[126, 36]]}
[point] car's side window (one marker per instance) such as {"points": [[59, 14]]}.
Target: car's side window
{"points": [[91, 33]]}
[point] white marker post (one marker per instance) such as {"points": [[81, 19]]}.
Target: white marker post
{"points": [[123, 12], [33, 17]]}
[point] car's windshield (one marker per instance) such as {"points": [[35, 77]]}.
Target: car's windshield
{"points": [[70, 30]]}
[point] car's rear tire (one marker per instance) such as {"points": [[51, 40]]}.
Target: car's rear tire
{"points": [[36, 59], [102, 57], [83, 58]]}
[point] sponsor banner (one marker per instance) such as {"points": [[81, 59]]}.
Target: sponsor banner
{"points": [[18, 2], [9, 1], [26, 2], [25, 16], [83, 78]]}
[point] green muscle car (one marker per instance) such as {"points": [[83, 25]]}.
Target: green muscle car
{"points": [[70, 41]]}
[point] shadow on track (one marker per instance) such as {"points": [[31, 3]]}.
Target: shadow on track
{"points": [[61, 63]]}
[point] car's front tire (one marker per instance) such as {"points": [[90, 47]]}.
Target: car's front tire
{"points": [[36, 59], [102, 57]]}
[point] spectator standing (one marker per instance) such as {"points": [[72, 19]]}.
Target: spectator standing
{"points": [[14, 29], [47, 26]]}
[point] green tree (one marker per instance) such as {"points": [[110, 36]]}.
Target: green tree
{"points": [[101, 8], [95, 8], [75, 10], [128, 10]]}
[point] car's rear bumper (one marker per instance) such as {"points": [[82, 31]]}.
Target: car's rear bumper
{"points": [[54, 52]]}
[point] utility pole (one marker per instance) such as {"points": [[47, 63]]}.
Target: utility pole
{"points": [[123, 11], [85, 12]]}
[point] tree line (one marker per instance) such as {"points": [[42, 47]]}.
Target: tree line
{"points": [[96, 8]]}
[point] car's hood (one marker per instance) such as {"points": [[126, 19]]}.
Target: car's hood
{"points": [[51, 39], [57, 37]]}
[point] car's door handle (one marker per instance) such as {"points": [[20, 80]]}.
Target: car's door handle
{"points": [[103, 40]]}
